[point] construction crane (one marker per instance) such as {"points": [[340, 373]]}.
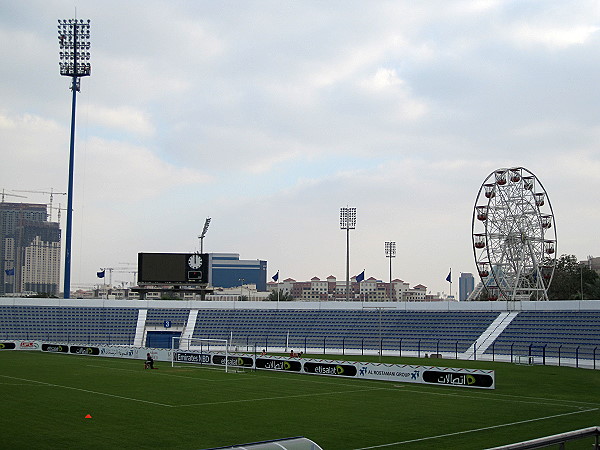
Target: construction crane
{"points": [[59, 209], [134, 272], [10, 195], [119, 270], [52, 193]]}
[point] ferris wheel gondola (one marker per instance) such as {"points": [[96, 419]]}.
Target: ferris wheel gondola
{"points": [[514, 236]]}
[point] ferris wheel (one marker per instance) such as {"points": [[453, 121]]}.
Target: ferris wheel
{"points": [[514, 236]]}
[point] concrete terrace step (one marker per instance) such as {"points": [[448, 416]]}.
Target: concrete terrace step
{"points": [[488, 337]]}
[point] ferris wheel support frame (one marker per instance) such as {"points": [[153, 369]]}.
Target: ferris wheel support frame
{"points": [[516, 258]]}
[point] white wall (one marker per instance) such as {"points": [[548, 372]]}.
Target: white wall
{"points": [[574, 305]]}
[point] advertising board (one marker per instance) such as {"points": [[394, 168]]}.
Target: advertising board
{"points": [[20, 345], [443, 376]]}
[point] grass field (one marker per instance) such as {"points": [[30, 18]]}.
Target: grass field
{"points": [[45, 398]]}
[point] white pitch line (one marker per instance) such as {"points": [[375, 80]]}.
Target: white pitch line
{"points": [[478, 429], [513, 398], [533, 400], [154, 373], [279, 397], [518, 397], [88, 391]]}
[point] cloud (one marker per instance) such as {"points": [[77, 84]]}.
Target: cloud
{"points": [[22, 122], [121, 172], [384, 79], [386, 83], [32, 143], [123, 118], [269, 117], [556, 37]]}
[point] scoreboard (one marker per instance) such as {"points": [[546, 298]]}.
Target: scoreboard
{"points": [[172, 268]]}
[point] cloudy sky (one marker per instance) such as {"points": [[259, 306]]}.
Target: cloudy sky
{"points": [[269, 116]]}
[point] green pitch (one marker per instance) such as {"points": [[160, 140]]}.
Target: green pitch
{"points": [[45, 399]]}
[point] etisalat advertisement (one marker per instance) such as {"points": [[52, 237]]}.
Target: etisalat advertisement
{"points": [[472, 378]]}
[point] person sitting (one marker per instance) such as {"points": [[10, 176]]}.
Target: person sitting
{"points": [[149, 364]]}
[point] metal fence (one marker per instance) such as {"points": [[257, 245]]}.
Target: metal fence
{"points": [[574, 355], [515, 352]]}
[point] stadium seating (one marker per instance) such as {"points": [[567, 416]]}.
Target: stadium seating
{"points": [[549, 333], [69, 324], [346, 329], [177, 317]]}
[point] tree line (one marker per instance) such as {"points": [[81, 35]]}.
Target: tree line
{"points": [[573, 281]]}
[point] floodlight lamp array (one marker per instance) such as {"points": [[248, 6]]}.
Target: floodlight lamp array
{"points": [[390, 249], [206, 224], [347, 218], [74, 42]]}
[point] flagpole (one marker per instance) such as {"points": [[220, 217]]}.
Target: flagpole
{"points": [[276, 279], [360, 277]]}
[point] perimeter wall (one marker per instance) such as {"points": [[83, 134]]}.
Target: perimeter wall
{"points": [[559, 305]]}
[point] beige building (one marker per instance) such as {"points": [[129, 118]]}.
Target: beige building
{"points": [[331, 289], [594, 263]]}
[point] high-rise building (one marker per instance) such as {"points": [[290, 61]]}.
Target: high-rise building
{"points": [[466, 284], [29, 250]]}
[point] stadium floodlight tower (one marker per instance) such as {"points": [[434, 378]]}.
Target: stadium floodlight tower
{"points": [[347, 222], [201, 237], [390, 252], [74, 41]]}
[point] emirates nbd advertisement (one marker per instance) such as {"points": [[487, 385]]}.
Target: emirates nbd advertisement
{"points": [[192, 357]]}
